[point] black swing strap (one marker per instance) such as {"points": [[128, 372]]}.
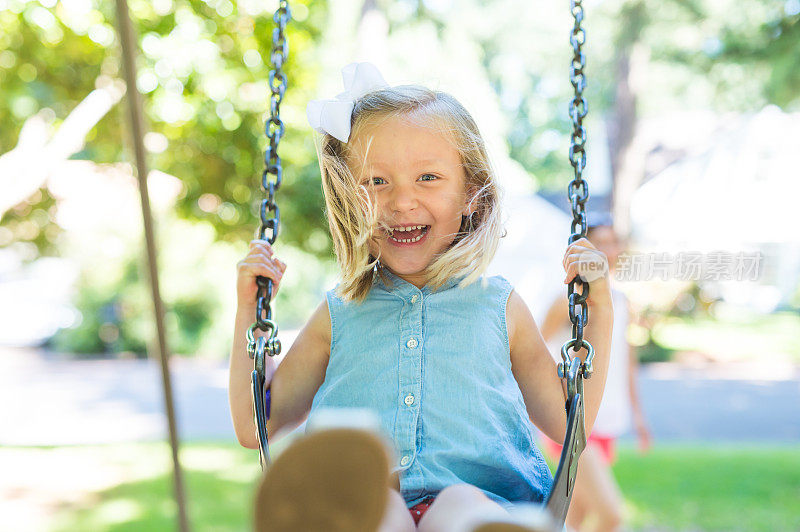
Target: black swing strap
{"points": [[269, 345]]}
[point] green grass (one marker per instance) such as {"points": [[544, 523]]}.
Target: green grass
{"points": [[737, 334], [137, 489], [723, 488], [670, 488]]}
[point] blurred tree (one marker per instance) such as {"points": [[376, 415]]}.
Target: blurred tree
{"points": [[643, 57], [203, 72], [204, 64]]}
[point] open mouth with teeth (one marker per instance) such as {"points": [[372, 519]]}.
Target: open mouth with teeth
{"points": [[408, 235]]}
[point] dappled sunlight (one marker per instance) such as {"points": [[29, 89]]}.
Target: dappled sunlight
{"points": [[41, 483], [209, 458], [118, 511], [103, 487], [218, 479], [230, 466]]}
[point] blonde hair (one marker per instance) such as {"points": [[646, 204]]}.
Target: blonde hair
{"points": [[352, 215]]}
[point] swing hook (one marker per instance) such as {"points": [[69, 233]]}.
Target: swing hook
{"points": [[586, 368], [269, 345]]}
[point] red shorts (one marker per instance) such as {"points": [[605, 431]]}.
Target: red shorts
{"points": [[605, 444], [419, 509]]}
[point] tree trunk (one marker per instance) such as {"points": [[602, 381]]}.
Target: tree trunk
{"points": [[627, 154]]}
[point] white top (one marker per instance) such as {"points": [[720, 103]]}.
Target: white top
{"points": [[614, 417]]}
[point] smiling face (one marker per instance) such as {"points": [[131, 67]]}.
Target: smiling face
{"points": [[418, 184]]}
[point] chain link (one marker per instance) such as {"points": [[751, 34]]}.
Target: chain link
{"points": [[272, 176], [578, 192]]}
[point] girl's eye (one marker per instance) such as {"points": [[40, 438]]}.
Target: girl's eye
{"points": [[381, 181]]}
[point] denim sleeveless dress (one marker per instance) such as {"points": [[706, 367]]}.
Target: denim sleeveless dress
{"points": [[436, 368]]}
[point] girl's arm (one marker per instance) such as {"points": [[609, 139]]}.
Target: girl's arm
{"points": [[557, 315], [293, 382], [533, 366], [536, 370], [239, 368]]}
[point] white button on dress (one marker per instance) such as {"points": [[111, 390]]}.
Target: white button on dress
{"points": [[411, 343], [409, 400], [405, 460]]}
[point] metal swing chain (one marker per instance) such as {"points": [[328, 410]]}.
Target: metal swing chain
{"points": [[270, 214], [578, 193], [571, 369], [270, 345]]}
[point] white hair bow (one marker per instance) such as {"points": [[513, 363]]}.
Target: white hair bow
{"points": [[333, 116]]}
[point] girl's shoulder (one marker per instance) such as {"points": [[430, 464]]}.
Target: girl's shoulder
{"points": [[486, 290], [499, 281], [494, 282], [335, 298]]}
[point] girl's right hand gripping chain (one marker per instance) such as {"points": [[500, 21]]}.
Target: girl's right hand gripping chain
{"points": [[260, 261]]}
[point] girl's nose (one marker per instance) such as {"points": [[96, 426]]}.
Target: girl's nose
{"points": [[403, 199]]}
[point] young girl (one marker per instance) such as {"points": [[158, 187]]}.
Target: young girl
{"points": [[452, 362]]}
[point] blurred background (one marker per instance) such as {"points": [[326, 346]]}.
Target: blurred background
{"points": [[693, 128]]}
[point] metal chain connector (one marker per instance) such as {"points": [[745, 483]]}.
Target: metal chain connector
{"points": [[269, 345]]}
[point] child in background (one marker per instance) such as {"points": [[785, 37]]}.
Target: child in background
{"points": [[451, 362], [596, 493]]}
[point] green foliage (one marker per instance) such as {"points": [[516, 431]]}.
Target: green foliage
{"points": [[114, 314], [730, 55], [654, 352], [772, 47], [85, 337], [198, 287], [32, 222], [733, 334], [722, 55], [203, 71], [203, 68]]}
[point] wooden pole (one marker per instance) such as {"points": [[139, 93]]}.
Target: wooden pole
{"points": [[125, 30]]}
